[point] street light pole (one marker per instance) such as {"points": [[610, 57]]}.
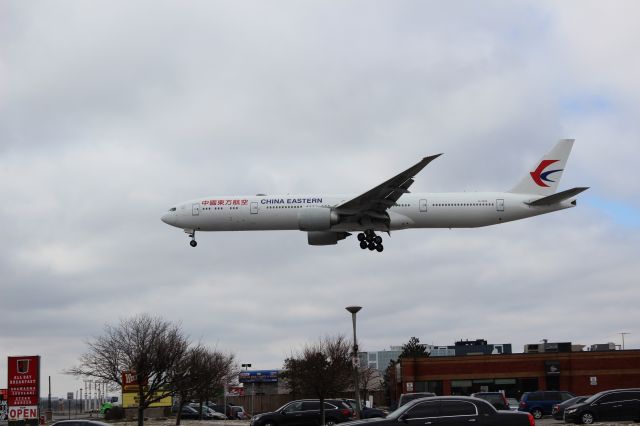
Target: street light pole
{"points": [[253, 387], [354, 310]]}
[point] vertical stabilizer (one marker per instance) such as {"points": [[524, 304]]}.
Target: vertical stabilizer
{"points": [[545, 175]]}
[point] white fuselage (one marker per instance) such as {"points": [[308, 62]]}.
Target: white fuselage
{"points": [[414, 210]]}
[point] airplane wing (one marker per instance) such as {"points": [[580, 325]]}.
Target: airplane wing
{"points": [[373, 204]]}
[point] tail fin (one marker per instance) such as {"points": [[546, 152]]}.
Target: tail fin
{"points": [[544, 178]]}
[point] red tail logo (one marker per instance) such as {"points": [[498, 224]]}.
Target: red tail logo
{"points": [[539, 176]]}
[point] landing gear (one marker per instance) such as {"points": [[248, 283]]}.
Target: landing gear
{"points": [[192, 235], [369, 240]]}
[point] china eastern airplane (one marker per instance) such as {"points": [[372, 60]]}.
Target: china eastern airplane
{"points": [[388, 207]]}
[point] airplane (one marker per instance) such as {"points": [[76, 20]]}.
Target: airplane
{"points": [[388, 207]]}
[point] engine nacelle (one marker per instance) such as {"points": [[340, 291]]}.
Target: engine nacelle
{"points": [[317, 219], [317, 238]]}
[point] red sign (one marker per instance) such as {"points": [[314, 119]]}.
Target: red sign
{"points": [[23, 381], [130, 382]]}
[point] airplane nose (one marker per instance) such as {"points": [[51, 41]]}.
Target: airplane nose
{"points": [[168, 218]]}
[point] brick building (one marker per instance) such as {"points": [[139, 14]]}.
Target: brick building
{"points": [[582, 373]]}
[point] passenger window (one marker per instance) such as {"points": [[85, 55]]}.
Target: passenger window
{"points": [[296, 406], [422, 410], [457, 408], [552, 396], [311, 405], [608, 398]]}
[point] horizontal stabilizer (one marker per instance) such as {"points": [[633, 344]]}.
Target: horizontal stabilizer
{"points": [[556, 198]]}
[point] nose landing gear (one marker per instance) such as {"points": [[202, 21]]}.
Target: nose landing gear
{"points": [[192, 235], [369, 240]]}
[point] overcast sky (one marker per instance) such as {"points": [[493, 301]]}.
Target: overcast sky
{"points": [[113, 111]]}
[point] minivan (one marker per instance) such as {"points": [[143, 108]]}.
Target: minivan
{"points": [[540, 403]]}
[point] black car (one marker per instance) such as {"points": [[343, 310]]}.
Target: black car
{"points": [[305, 412], [611, 405], [449, 411], [497, 399], [406, 397], [367, 412], [558, 410]]}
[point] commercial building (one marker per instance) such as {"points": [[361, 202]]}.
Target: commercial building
{"points": [[562, 368]]}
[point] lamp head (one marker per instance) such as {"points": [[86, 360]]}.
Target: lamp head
{"points": [[353, 309]]}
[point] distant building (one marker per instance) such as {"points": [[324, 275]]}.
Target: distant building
{"points": [[379, 360], [470, 347], [544, 346]]}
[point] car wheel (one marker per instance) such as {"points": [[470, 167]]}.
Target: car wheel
{"points": [[269, 423], [330, 423], [587, 418], [536, 413]]}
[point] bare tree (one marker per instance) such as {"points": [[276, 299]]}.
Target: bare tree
{"points": [[148, 346], [370, 380], [200, 376], [321, 369]]}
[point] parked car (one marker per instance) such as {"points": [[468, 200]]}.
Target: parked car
{"points": [[497, 399], [209, 412], [449, 411], [305, 412], [611, 405], [231, 411], [367, 412], [558, 409], [79, 422], [513, 403], [540, 403], [406, 397], [188, 412]]}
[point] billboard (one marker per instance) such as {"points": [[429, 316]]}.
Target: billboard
{"points": [[258, 376], [130, 388], [23, 390]]}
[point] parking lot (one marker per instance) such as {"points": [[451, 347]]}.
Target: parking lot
{"points": [[550, 421]]}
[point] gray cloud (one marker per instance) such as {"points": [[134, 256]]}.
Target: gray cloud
{"points": [[111, 112]]}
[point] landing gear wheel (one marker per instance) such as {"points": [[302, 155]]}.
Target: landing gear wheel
{"points": [[361, 236], [193, 243], [363, 245], [368, 232], [371, 246], [377, 239], [379, 247], [536, 413]]}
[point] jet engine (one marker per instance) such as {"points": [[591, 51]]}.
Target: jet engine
{"points": [[317, 219], [319, 238]]}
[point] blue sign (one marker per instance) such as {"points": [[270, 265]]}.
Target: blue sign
{"points": [[258, 376]]}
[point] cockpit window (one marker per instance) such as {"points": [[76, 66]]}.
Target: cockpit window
{"points": [[172, 209]]}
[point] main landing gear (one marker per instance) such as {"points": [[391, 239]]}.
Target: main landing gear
{"points": [[369, 240]]}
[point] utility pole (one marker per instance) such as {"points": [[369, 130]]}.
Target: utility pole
{"points": [[622, 333]]}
